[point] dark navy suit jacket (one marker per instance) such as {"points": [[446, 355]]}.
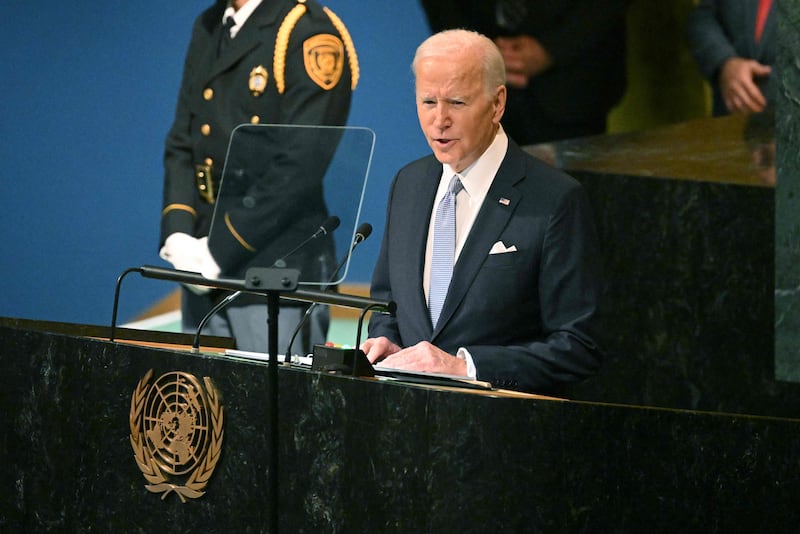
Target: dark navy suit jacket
{"points": [[721, 29], [528, 318]]}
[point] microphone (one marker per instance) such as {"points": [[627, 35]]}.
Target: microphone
{"points": [[362, 232], [328, 225]]}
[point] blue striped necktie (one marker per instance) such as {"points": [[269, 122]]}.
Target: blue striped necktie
{"points": [[444, 247]]}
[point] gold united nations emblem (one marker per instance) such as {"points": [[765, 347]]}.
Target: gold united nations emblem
{"points": [[176, 433]]}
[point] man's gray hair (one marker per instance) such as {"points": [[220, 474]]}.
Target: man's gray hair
{"points": [[450, 42]]}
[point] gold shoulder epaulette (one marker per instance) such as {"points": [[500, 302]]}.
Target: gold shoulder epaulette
{"points": [[282, 45], [348, 44]]}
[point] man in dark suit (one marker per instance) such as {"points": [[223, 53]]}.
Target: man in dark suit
{"points": [[253, 62], [522, 305], [565, 60], [733, 43]]}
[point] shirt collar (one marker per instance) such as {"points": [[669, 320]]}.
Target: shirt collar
{"points": [[477, 178], [241, 16]]}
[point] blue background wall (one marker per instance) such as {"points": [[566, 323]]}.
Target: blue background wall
{"points": [[88, 93]]}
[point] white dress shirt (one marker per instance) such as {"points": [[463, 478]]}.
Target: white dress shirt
{"points": [[476, 179], [241, 16]]}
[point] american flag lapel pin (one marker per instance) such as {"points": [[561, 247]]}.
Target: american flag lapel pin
{"points": [[504, 201]]}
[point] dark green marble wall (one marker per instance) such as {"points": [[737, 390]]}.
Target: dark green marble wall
{"points": [[702, 257], [689, 268], [787, 195], [359, 455]]}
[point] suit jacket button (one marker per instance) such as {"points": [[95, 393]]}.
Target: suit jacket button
{"points": [[208, 93], [255, 119], [205, 129]]}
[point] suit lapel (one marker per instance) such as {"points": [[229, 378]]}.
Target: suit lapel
{"points": [[417, 232], [749, 13], [498, 207]]}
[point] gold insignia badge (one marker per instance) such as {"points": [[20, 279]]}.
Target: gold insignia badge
{"points": [[324, 59], [258, 80], [176, 433]]}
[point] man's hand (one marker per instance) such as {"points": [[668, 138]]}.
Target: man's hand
{"points": [[421, 357], [378, 348], [525, 57], [737, 83]]}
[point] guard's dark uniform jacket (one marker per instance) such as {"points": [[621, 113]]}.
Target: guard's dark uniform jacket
{"points": [[292, 62]]}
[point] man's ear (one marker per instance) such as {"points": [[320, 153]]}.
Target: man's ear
{"points": [[500, 96]]}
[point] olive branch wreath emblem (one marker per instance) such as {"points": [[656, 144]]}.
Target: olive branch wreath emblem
{"points": [[193, 487]]}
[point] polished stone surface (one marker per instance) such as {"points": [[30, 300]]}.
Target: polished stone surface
{"points": [[714, 149], [687, 227], [787, 197], [689, 268], [359, 455]]}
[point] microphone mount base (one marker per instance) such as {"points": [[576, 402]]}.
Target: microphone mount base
{"points": [[271, 279]]}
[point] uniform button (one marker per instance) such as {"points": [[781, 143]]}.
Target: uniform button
{"points": [[208, 93], [255, 119], [205, 129], [209, 162]]}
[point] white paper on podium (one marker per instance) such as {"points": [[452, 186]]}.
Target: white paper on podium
{"points": [[264, 357]]}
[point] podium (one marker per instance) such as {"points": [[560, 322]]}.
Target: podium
{"points": [[687, 229], [369, 455]]}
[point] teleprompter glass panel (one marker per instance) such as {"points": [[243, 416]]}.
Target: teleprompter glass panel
{"points": [[290, 197]]}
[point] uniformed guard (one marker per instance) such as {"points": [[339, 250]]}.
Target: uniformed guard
{"points": [[251, 62]]}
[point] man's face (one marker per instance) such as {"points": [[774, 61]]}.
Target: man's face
{"points": [[457, 115]]}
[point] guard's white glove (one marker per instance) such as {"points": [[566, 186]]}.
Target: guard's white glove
{"points": [[182, 251], [187, 253], [208, 266]]}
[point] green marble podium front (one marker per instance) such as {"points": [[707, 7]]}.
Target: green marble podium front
{"points": [[363, 455]]}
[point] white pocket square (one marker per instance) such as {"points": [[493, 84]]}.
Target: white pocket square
{"points": [[500, 248]]}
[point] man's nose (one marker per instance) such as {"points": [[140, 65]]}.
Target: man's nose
{"points": [[441, 116]]}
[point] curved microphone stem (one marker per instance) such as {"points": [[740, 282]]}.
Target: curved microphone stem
{"points": [[358, 331], [362, 232], [207, 317], [288, 355], [329, 225], [113, 329]]}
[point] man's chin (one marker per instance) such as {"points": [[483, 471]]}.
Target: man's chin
{"points": [[443, 156]]}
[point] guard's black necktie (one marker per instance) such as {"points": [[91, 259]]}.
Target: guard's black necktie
{"points": [[225, 38]]}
